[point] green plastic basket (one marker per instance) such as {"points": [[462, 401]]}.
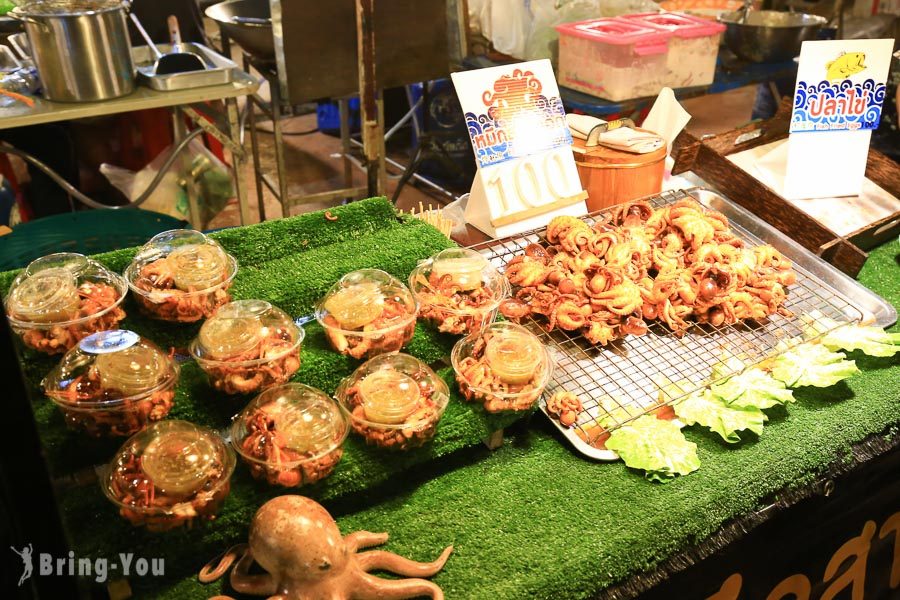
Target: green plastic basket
{"points": [[86, 232]]}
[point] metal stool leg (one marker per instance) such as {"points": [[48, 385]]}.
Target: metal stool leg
{"points": [[257, 167]]}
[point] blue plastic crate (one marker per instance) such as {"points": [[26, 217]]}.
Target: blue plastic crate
{"points": [[328, 116]]}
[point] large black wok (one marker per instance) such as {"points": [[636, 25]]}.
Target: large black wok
{"points": [[247, 22]]}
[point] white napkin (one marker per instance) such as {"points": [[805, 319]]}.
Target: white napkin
{"points": [[667, 117], [585, 127]]}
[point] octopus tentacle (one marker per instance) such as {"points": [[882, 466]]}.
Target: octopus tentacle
{"points": [[243, 582], [369, 587], [218, 566], [388, 561], [364, 539]]}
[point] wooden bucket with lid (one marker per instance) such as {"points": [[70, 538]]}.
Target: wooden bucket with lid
{"points": [[612, 176]]}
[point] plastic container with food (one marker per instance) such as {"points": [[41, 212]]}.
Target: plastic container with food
{"points": [[458, 290], [247, 346], [693, 45], [394, 401], [60, 299], [367, 313], [290, 435], [170, 475], [181, 275], [113, 384], [505, 367], [619, 58]]}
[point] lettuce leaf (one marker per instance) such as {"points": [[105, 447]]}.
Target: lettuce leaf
{"points": [[812, 365], [655, 446], [754, 388], [616, 410], [705, 408], [874, 341]]}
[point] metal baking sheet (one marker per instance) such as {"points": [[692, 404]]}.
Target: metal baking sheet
{"points": [[633, 373], [219, 70]]}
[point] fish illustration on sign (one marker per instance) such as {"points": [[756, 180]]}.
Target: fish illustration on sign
{"points": [[845, 65]]}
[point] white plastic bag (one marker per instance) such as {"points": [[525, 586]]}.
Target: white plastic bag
{"points": [[196, 165], [508, 28]]}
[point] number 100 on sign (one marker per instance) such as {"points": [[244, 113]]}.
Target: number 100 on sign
{"points": [[532, 182]]}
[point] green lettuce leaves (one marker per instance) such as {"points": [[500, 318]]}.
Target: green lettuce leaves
{"points": [[874, 341], [655, 446], [707, 409], [812, 365], [754, 388]]}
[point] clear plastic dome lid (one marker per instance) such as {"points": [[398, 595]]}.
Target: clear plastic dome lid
{"points": [[459, 269], [47, 290], [179, 458], [391, 388], [184, 259], [303, 418], [513, 354], [243, 330], [360, 298], [122, 364]]}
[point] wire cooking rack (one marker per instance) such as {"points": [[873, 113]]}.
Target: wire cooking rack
{"points": [[639, 374]]}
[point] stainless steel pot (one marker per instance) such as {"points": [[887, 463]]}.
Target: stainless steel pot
{"points": [[769, 36], [81, 49]]}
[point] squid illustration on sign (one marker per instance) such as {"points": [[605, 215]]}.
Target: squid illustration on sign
{"points": [[845, 65]]}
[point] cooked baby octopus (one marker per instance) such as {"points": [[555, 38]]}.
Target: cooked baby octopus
{"points": [[564, 406], [415, 428], [169, 475], [678, 264], [164, 300], [95, 298], [275, 460], [126, 417], [376, 337], [455, 310], [506, 368], [269, 363]]}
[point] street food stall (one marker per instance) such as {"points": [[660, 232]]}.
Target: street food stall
{"points": [[570, 392]]}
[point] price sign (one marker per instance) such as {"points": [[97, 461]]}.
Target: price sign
{"points": [[526, 172], [837, 103]]}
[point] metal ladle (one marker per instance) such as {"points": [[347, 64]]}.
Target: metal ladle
{"points": [[171, 62]]}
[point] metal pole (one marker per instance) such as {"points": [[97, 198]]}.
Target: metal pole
{"points": [[190, 189], [368, 93], [275, 93], [237, 161], [257, 165], [344, 111]]}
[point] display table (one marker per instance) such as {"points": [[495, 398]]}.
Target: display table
{"points": [[529, 520]]}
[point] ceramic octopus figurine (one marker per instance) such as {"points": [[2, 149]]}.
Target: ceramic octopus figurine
{"points": [[305, 558]]}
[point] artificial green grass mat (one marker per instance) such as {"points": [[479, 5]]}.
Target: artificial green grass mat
{"points": [[534, 520], [291, 263]]}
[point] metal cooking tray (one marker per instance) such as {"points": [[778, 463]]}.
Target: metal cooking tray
{"points": [[219, 70], [632, 373]]}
